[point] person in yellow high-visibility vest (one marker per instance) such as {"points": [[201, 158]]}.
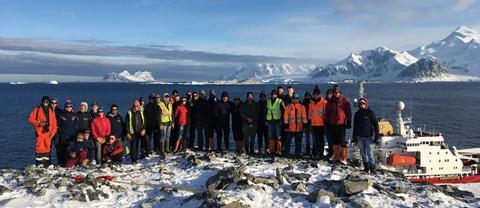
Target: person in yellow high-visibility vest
{"points": [[135, 125], [294, 118], [273, 118], [166, 125]]}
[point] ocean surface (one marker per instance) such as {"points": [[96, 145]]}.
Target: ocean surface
{"points": [[450, 108]]}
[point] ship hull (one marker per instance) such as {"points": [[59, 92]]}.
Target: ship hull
{"points": [[464, 179]]}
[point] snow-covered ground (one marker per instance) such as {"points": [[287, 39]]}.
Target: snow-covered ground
{"points": [[201, 179]]}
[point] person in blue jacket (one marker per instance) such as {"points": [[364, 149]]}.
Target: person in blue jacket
{"points": [[67, 129]]}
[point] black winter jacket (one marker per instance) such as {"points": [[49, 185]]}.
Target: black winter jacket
{"points": [[365, 124]]}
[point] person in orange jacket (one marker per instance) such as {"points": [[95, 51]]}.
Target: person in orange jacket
{"points": [[43, 120], [100, 130], [295, 119], [316, 113]]}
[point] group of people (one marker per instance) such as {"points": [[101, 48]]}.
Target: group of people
{"points": [[172, 124]]}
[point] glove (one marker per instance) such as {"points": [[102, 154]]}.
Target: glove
{"points": [[73, 155], [42, 123], [129, 137], [349, 124], [85, 162], [173, 125], [142, 132], [354, 140], [101, 140]]}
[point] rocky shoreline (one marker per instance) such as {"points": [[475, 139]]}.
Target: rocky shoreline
{"points": [[199, 179]]}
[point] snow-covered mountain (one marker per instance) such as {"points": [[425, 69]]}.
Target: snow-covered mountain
{"points": [[381, 64], [459, 52], [125, 76], [268, 71]]}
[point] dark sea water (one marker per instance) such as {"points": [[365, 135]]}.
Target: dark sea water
{"points": [[450, 108]]}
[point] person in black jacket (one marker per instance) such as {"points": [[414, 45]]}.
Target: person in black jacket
{"points": [[262, 128], [365, 133], [67, 127], [200, 118], [58, 111], [117, 124], [237, 124], [190, 102], [84, 117], [222, 112], [212, 101], [153, 115]]}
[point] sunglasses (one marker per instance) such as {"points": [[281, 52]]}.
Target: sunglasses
{"points": [[111, 138], [69, 106], [337, 92], [137, 106], [362, 103], [53, 103]]}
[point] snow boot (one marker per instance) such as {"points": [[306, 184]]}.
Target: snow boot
{"points": [[177, 146], [373, 169], [161, 152], [210, 144], [366, 167], [344, 155], [279, 147], [238, 146], [271, 146], [336, 152], [184, 145]]}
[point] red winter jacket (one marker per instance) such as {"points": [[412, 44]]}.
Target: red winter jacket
{"points": [[110, 150], [182, 115], [338, 111], [100, 127]]}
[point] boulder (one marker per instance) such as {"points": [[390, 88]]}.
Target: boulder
{"points": [[30, 182], [93, 194], [317, 194], [80, 196], [300, 176], [223, 178], [354, 184], [235, 204], [266, 181], [3, 190], [279, 176], [91, 181], [150, 202]]}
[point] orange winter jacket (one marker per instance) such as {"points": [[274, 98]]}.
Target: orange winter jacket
{"points": [[43, 137], [295, 116], [316, 112]]}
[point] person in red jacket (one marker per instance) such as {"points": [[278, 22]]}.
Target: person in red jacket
{"points": [[182, 121], [100, 130], [338, 116], [112, 150], [44, 121]]}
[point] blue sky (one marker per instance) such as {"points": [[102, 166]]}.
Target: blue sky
{"points": [[318, 31]]}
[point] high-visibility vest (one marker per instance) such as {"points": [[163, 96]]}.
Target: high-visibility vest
{"points": [[316, 112], [130, 122], [166, 112], [273, 110], [295, 116]]}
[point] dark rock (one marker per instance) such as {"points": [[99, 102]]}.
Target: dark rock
{"points": [[80, 196], [456, 193], [267, 181], [354, 184], [3, 190], [400, 189], [317, 194], [41, 192], [279, 176], [242, 182], [223, 178], [30, 182], [91, 181], [360, 203], [300, 176], [93, 194]]}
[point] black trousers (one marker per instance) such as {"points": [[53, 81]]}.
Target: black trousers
{"points": [[42, 159], [191, 138], [202, 135], [337, 133], [61, 149], [298, 143], [318, 141], [223, 131], [262, 136], [138, 140]]}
